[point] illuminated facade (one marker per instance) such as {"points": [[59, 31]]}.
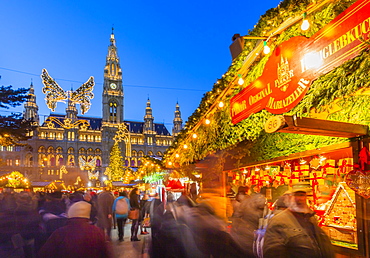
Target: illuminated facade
{"points": [[71, 141]]}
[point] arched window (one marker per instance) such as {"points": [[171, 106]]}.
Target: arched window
{"points": [[159, 154], [71, 150], [60, 160], [98, 162], [52, 160], [71, 160], [98, 152], [82, 151], [50, 149], [113, 112], [90, 151], [59, 150], [134, 153], [29, 160], [141, 154], [150, 153], [41, 149]]}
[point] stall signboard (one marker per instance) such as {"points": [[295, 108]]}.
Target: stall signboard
{"points": [[297, 62]]}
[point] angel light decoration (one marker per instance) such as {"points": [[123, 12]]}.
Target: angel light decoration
{"points": [[54, 93]]}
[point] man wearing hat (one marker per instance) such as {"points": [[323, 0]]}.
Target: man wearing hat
{"points": [[78, 238], [294, 232]]}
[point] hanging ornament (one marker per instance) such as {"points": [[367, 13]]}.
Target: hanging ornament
{"points": [[359, 181], [317, 162]]}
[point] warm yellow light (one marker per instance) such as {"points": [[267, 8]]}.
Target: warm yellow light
{"points": [[266, 48], [185, 146], [221, 104], [305, 25], [170, 163], [177, 155], [240, 81], [195, 135], [208, 121], [257, 169]]}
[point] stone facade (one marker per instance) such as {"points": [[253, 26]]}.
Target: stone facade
{"points": [[73, 141]]}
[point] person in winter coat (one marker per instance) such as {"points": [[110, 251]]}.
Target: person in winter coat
{"points": [[143, 213], [245, 221], [105, 203], [294, 232], [78, 238], [135, 204], [121, 218]]}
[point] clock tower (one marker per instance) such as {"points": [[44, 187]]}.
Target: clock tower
{"points": [[112, 88]]}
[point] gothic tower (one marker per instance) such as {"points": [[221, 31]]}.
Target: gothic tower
{"points": [[30, 107], [112, 99], [148, 126], [177, 121], [112, 88], [148, 119]]}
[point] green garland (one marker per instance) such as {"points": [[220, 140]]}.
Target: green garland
{"points": [[221, 134]]}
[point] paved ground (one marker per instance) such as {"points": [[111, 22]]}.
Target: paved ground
{"points": [[128, 249]]}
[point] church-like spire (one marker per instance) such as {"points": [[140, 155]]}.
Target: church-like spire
{"points": [[177, 121], [148, 118], [30, 107], [112, 66], [112, 39], [112, 94]]}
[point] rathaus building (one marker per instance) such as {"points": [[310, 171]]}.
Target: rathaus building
{"points": [[73, 148]]}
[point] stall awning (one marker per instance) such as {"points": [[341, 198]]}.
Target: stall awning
{"points": [[40, 184]]}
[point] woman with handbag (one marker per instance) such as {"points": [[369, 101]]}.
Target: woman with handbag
{"points": [[134, 213]]}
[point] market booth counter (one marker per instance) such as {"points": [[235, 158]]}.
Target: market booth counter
{"points": [[340, 210]]}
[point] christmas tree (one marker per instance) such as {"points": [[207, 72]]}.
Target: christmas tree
{"points": [[116, 164]]}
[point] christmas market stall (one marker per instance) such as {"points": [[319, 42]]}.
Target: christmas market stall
{"points": [[292, 108], [14, 181]]}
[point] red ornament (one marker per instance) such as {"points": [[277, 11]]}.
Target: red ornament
{"points": [[359, 181]]}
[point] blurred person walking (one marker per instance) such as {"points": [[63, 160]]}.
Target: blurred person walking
{"points": [[105, 203], [144, 210], [120, 209], [135, 205], [78, 238], [294, 232], [245, 221]]}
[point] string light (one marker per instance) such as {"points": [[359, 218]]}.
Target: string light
{"points": [[169, 163], [185, 146], [195, 135], [305, 24], [177, 155], [221, 104], [266, 48], [207, 121], [240, 81]]}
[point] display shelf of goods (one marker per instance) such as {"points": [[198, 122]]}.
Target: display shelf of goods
{"points": [[340, 218]]}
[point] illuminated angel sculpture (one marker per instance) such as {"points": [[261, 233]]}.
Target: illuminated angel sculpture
{"points": [[54, 93]]}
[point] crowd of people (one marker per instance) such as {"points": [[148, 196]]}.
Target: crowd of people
{"points": [[80, 225]]}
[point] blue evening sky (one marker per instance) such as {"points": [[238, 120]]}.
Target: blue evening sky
{"points": [[169, 50]]}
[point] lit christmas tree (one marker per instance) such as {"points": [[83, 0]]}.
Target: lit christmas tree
{"points": [[116, 164]]}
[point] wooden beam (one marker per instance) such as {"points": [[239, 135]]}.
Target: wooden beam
{"points": [[314, 126]]}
